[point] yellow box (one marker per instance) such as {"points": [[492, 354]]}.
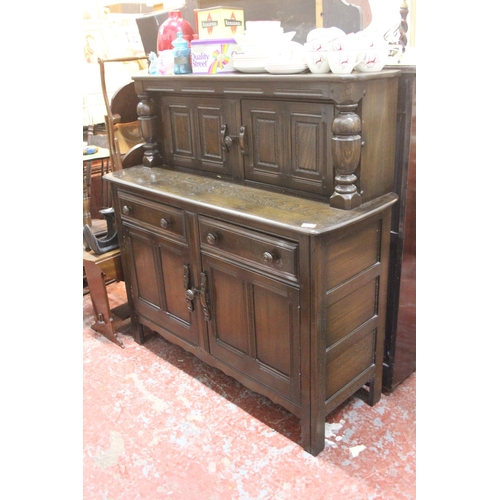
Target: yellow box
{"points": [[219, 22]]}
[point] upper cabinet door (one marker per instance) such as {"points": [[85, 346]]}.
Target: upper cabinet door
{"points": [[194, 134], [288, 144]]}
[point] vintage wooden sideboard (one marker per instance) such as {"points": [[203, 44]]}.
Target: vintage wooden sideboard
{"points": [[256, 232]]}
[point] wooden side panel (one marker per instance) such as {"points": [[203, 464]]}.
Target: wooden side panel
{"points": [[350, 364], [378, 133], [351, 311], [352, 253], [351, 301]]}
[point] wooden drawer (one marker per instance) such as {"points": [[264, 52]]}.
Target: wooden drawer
{"points": [[266, 253], [163, 218]]}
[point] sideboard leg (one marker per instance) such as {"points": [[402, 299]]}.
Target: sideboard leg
{"points": [[375, 392], [138, 330], [313, 435]]}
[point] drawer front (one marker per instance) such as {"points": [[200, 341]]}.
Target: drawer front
{"points": [[266, 253], [162, 218]]}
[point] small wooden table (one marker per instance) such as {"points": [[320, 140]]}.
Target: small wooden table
{"points": [[101, 154], [97, 267]]}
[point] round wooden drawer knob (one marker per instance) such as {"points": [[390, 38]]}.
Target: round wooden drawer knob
{"points": [[125, 210], [164, 223], [268, 257], [211, 238]]}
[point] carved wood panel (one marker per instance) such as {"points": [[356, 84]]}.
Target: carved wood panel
{"points": [[158, 285], [289, 144], [193, 133], [255, 326]]}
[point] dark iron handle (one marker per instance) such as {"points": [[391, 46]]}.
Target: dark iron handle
{"points": [[243, 144], [190, 294], [227, 140], [223, 137], [204, 297]]}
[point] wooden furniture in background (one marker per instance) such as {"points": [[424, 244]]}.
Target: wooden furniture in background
{"points": [[100, 158], [256, 233], [400, 337]]}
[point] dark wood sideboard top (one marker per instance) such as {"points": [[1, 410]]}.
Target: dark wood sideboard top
{"points": [[281, 86], [302, 215]]}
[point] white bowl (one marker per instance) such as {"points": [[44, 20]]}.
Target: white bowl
{"points": [[373, 59], [317, 62], [343, 61]]}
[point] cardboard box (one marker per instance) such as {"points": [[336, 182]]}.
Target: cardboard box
{"points": [[219, 22], [211, 57]]}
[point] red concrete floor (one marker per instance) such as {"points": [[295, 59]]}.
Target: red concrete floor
{"points": [[160, 424]]}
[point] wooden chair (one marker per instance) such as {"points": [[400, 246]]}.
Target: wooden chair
{"points": [[125, 149], [121, 120]]}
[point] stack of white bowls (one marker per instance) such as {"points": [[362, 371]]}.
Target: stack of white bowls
{"points": [[330, 49], [263, 43]]}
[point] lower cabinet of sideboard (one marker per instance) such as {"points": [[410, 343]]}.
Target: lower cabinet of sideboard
{"points": [[297, 317]]}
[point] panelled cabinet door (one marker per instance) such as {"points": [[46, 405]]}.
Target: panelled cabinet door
{"points": [[254, 325], [160, 275], [289, 144], [194, 133]]}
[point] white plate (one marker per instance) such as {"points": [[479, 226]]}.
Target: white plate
{"points": [[285, 69], [247, 68], [250, 60]]}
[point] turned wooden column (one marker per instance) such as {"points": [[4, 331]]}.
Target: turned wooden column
{"points": [[403, 27], [346, 150], [148, 123]]}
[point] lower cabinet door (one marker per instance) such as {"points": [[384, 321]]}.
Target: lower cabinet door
{"points": [[161, 274], [254, 326]]}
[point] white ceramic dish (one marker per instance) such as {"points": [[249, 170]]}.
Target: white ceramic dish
{"points": [[374, 59], [317, 62], [343, 61], [250, 43], [285, 69], [250, 67], [250, 64]]}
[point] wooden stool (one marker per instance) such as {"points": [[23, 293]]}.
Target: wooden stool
{"points": [[97, 267]]}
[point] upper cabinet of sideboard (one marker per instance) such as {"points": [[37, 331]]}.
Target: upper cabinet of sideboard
{"points": [[326, 137]]}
